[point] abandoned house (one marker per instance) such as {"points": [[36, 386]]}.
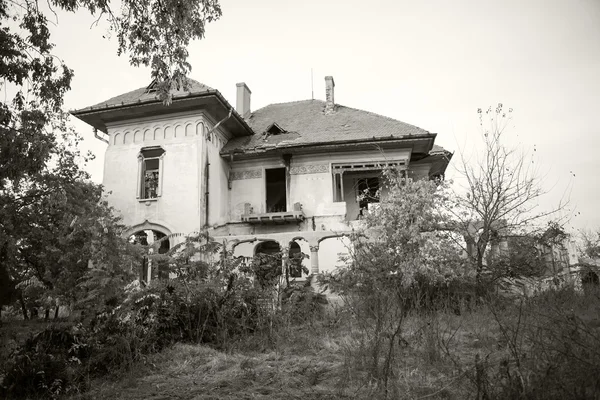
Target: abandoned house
{"points": [[288, 177]]}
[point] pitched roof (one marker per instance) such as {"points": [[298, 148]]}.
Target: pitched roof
{"points": [[305, 122], [143, 94]]}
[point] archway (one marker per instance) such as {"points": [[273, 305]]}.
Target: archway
{"points": [[333, 252], [295, 257], [590, 280], [267, 263], [269, 247], [157, 242]]}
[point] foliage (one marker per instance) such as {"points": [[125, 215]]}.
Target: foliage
{"points": [[47, 203], [395, 264], [548, 349], [55, 238], [523, 258], [265, 268], [47, 365]]}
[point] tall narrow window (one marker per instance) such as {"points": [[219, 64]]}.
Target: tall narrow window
{"points": [[150, 173], [276, 190]]}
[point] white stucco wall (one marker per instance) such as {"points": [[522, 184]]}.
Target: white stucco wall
{"points": [[178, 208], [311, 181]]}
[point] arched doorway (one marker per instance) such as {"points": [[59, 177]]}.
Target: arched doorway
{"points": [[590, 280], [295, 257], [157, 242], [267, 262]]}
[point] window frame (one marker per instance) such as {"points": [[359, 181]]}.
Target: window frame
{"points": [[141, 193]]}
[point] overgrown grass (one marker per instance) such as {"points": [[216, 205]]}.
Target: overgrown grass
{"points": [[547, 347]]}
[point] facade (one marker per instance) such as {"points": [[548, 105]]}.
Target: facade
{"points": [[292, 176]]}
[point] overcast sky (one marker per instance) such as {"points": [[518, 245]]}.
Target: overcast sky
{"points": [[428, 63]]}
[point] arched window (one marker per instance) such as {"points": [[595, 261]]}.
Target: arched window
{"points": [[150, 173]]}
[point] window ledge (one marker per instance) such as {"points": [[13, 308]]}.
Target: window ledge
{"points": [[148, 201]]}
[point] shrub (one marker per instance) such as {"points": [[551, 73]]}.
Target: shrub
{"points": [[47, 365]]}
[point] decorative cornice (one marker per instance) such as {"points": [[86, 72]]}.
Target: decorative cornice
{"points": [[309, 169], [246, 174]]}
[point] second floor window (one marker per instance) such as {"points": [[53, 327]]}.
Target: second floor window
{"points": [[368, 192], [150, 165]]}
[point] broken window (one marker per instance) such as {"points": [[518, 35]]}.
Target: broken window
{"points": [[274, 129], [150, 165], [276, 190], [368, 192]]}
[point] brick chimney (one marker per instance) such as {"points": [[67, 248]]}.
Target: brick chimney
{"points": [[329, 100], [242, 103]]}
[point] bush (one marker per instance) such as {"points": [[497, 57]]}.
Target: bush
{"points": [[47, 365], [549, 349]]}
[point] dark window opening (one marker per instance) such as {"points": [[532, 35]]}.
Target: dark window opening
{"points": [[338, 193], [368, 192], [275, 129], [276, 190]]}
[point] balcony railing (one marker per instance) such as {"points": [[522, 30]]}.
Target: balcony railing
{"points": [[296, 215]]}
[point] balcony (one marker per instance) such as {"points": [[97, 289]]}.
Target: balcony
{"points": [[281, 217]]}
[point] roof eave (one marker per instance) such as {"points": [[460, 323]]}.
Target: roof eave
{"points": [[87, 114], [324, 146]]}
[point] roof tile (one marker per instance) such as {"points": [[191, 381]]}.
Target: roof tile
{"points": [[306, 122], [142, 95]]}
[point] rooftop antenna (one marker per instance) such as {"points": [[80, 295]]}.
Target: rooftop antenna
{"points": [[312, 90]]}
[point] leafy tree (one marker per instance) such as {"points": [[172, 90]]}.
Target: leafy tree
{"points": [[44, 194], [394, 262], [501, 191]]}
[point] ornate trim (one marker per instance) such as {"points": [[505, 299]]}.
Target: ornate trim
{"points": [[309, 169], [246, 174]]}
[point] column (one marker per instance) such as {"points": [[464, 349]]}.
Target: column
{"points": [[314, 259]]}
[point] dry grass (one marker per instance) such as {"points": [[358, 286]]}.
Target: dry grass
{"points": [[321, 363], [435, 359]]}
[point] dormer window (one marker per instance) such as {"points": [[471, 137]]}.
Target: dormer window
{"points": [[152, 87], [150, 167], [274, 129]]}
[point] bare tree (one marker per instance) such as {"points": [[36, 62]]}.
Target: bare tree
{"points": [[501, 191]]}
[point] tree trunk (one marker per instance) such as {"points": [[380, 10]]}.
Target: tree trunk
{"points": [[23, 308], [56, 312], [47, 314]]}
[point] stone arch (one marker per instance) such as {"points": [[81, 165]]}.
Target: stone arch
{"points": [[138, 137], [147, 135], [147, 225], [157, 133], [117, 138], [332, 236], [178, 131], [128, 138], [168, 132], [234, 243], [268, 246], [189, 130]]}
